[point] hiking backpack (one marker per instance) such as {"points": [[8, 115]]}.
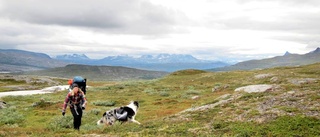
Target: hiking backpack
{"points": [[81, 82]]}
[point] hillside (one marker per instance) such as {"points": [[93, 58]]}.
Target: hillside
{"points": [[183, 103], [18, 60], [98, 73], [287, 59]]}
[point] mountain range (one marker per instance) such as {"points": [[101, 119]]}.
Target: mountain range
{"points": [[12, 60], [160, 62], [288, 59]]}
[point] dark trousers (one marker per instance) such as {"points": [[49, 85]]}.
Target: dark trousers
{"points": [[77, 115]]}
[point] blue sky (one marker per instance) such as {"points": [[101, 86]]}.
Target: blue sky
{"points": [[206, 29]]}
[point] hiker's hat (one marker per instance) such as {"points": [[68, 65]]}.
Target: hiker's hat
{"points": [[75, 85]]}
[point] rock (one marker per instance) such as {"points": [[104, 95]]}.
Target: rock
{"points": [[256, 88], [299, 82], [210, 106], [195, 97], [291, 92], [268, 104], [215, 88], [262, 76], [274, 79], [2, 104], [224, 97], [226, 86]]}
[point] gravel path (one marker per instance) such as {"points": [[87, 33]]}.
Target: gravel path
{"points": [[31, 92]]}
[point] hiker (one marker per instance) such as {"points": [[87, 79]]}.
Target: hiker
{"points": [[77, 102]]}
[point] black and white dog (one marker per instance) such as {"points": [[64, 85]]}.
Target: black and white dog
{"points": [[122, 114]]}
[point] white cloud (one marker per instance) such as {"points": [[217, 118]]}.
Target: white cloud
{"points": [[207, 29], [114, 16]]}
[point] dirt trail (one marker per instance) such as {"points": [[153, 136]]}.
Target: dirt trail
{"points": [[31, 92]]}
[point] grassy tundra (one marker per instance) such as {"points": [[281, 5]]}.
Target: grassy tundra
{"points": [[290, 109]]}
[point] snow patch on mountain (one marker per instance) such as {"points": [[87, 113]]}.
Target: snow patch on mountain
{"points": [[71, 57]]}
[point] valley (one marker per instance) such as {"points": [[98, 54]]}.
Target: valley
{"points": [[182, 103]]}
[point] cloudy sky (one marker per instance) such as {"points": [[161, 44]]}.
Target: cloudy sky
{"points": [[206, 29]]}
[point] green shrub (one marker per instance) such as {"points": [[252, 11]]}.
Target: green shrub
{"points": [[43, 104], [10, 116], [164, 94], [103, 88], [95, 111], [218, 125], [192, 92], [289, 109], [247, 96], [295, 126], [104, 103], [60, 122], [149, 91], [90, 127], [282, 126]]}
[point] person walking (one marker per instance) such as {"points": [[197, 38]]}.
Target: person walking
{"points": [[77, 102]]}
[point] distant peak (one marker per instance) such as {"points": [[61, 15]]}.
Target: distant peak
{"points": [[317, 50], [72, 56], [287, 53]]}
